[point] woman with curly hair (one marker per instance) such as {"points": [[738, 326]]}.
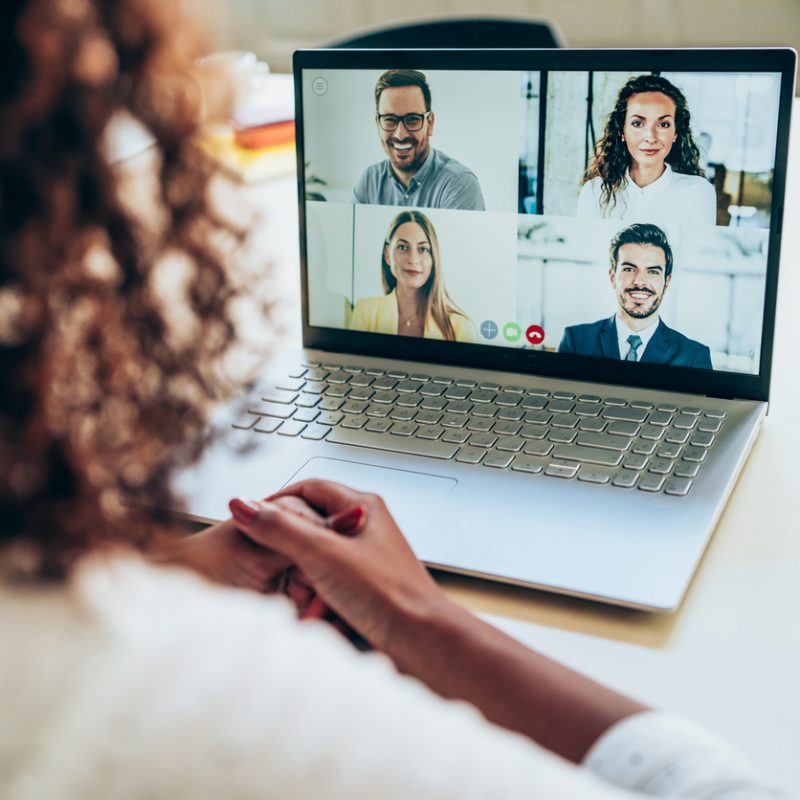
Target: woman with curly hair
{"points": [[646, 167], [123, 677]]}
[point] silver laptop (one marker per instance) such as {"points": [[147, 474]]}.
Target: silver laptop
{"points": [[538, 306]]}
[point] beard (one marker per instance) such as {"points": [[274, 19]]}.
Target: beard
{"points": [[639, 310]]}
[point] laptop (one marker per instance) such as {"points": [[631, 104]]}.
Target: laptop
{"points": [[538, 304]]}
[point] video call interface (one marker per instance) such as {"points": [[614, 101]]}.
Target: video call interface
{"points": [[619, 215]]}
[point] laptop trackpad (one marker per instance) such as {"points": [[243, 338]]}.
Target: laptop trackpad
{"points": [[412, 497]]}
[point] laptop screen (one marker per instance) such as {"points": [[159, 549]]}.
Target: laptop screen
{"points": [[615, 215]]}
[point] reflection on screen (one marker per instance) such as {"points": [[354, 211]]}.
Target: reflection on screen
{"points": [[617, 215]]}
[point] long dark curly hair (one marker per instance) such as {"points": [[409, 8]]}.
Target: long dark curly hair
{"points": [[99, 385], [612, 159]]}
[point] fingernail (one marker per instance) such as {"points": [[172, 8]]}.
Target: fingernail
{"points": [[348, 520], [316, 608], [244, 511]]}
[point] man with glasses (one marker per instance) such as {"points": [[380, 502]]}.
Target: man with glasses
{"points": [[640, 272], [414, 174]]}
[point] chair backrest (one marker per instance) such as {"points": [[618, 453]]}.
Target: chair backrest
{"points": [[457, 32]]}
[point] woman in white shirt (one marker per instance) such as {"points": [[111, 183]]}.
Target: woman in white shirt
{"points": [[646, 167], [123, 679]]}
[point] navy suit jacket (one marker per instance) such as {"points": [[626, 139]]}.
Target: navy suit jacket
{"points": [[666, 346]]}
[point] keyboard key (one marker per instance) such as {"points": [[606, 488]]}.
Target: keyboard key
{"points": [[605, 441], [397, 444], [650, 482], [376, 371], [384, 384], [402, 428], [315, 432], [315, 387], [615, 401], [331, 367], [644, 447], [625, 414], [678, 486], [539, 449], [561, 470], [668, 408], [497, 460], [506, 428], [715, 413], [409, 400], [660, 466], [454, 420], [533, 431], [246, 422], [490, 386], [457, 393], [403, 414], [408, 386], [470, 455], [635, 461], [306, 414], [291, 428], [676, 437], [526, 464], [565, 421], [536, 392], [514, 389], [376, 410], [686, 470], [593, 425], [625, 479], [268, 425], [510, 414], [660, 418], [508, 399], [565, 436], [434, 403], [272, 410], [624, 429], [330, 404], [511, 444], [694, 454], [563, 395], [702, 439], [587, 409], [709, 425], [485, 410], [353, 407], [537, 418], [458, 436], [486, 440], [307, 400], [419, 376], [588, 455], [432, 390], [645, 404], [354, 369], [338, 377], [316, 374], [589, 398], [384, 397], [354, 420], [668, 450], [652, 432], [684, 422], [360, 394], [692, 411], [482, 396], [467, 382], [290, 385], [397, 373], [458, 407], [480, 425], [534, 403], [361, 381], [560, 406], [378, 425], [594, 475], [428, 417], [430, 431], [297, 372], [337, 390], [330, 418], [442, 380]]}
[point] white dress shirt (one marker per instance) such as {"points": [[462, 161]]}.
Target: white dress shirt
{"points": [[623, 332], [672, 199]]}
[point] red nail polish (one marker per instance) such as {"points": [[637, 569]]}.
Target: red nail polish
{"points": [[348, 520], [243, 511]]}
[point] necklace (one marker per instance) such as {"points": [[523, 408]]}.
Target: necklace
{"points": [[408, 320]]}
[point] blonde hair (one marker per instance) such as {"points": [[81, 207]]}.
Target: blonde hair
{"points": [[437, 302]]}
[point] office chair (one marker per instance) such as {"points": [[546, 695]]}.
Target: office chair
{"points": [[456, 32]]}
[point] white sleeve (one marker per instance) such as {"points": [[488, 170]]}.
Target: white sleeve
{"points": [[705, 204], [662, 755], [202, 693]]}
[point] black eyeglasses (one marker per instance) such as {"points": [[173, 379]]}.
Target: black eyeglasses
{"points": [[411, 122]]}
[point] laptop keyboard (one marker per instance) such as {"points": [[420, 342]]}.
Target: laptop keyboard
{"points": [[604, 440]]}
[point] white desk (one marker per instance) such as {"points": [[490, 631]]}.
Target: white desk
{"points": [[730, 658]]}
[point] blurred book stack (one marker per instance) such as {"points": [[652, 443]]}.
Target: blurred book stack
{"points": [[258, 144]]}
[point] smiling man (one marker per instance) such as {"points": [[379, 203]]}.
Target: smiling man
{"points": [[640, 273], [414, 173]]}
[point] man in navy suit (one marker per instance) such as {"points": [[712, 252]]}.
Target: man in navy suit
{"points": [[641, 270]]}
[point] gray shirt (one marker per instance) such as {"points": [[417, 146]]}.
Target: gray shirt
{"points": [[441, 182]]}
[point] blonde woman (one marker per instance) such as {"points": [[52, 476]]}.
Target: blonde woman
{"points": [[415, 302]]}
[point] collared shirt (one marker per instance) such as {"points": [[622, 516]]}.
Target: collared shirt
{"points": [[672, 199], [623, 332], [441, 182]]}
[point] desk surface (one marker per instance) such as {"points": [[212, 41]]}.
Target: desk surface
{"points": [[730, 657]]}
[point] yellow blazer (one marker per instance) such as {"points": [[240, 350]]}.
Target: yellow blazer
{"points": [[379, 315]]}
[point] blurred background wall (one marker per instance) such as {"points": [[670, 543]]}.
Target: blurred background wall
{"points": [[275, 28]]}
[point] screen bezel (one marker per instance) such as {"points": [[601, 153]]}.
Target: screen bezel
{"points": [[533, 362]]}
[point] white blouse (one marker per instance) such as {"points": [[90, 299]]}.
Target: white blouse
{"points": [[672, 199], [137, 681]]}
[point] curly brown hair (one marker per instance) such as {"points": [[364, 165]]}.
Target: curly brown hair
{"points": [[99, 386], [612, 159]]}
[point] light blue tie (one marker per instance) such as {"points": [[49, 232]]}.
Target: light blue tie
{"points": [[635, 342]]}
